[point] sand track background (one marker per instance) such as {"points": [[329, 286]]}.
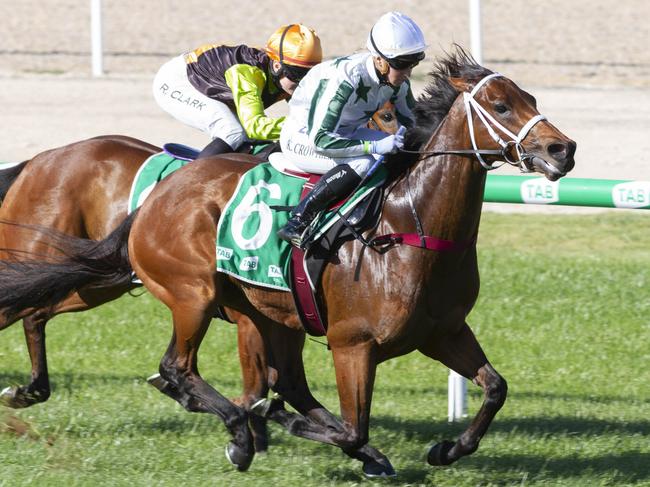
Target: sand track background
{"points": [[586, 61]]}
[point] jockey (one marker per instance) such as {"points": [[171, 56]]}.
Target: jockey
{"points": [[324, 131], [224, 90]]}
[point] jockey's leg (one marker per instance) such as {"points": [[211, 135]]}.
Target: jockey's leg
{"points": [[335, 184], [214, 148]]}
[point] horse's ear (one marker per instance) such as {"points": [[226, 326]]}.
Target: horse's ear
{"points": [[460, 84]]}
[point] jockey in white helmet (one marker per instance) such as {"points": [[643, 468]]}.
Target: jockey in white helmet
{"points": [[325, 129]]}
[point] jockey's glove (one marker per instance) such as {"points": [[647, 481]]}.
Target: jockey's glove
{"points": [[389, 144]]}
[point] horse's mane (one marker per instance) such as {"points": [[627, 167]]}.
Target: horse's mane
{"points": [[434, 103]]}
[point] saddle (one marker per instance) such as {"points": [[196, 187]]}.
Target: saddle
{"points": [[307, 264]]}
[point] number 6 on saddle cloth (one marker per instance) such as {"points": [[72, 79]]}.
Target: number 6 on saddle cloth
{"points": [[247, 247]]}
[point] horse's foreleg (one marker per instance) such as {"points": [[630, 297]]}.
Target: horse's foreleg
{"points": [[284, 368], [355, 378], [38, 390], [314, 422], [462, 353], [180, 379], [255, 372]]}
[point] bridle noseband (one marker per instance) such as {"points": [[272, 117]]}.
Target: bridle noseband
{"points": [[490, 123], [383, 242]]}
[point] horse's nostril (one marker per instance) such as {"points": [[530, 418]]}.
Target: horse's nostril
{"points": [[562, 151]]}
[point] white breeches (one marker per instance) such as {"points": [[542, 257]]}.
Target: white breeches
{"points": [[175, 94], [297, 148]]}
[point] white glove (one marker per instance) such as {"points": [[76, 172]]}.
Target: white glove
{"points": [[389, 144]]}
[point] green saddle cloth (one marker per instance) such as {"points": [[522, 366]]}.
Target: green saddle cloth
{"points": [[154, 170], [247, 246]]}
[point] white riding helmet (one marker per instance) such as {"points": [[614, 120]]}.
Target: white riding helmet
{"points": [[394, 35]]}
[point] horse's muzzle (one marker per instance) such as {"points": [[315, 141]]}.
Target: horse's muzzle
{"points": [[559, 160]]}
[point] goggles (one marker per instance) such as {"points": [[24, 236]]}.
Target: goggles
{"points": [[294, 73], [407, 61]]}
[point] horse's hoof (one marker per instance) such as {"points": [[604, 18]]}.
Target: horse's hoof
{"points": [[158, 382], [439, 454], [17, 398], [379, 469], [238, 457]]}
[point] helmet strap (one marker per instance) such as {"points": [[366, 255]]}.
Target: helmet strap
{"points": [[280, 72], [276, 74], [380, 61]]}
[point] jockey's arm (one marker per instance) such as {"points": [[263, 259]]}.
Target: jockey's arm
{"points": [[325, 116], [247, 84]]}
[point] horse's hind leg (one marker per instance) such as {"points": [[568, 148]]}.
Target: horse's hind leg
{"points": [[254, 371], [38, 390], [462, 353], [179, 371]]}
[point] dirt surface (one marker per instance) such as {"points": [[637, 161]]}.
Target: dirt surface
{"points": [[549, 43], [587, 62]]}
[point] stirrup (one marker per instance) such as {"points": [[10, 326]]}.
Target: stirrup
{"points": [[292, 235]]}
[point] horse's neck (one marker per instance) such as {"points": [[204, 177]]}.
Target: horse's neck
{"points": [[448, 190]]}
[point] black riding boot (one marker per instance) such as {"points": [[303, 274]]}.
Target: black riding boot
{"points": [[336, 184], [214, 148]]}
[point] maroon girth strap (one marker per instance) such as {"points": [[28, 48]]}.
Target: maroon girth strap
{"points": [[422, 242], [305, 299], [303, 296]]}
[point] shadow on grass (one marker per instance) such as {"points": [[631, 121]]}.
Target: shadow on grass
{"points": [[626, 468], [427, 431], [631, 465], [71, 381]]}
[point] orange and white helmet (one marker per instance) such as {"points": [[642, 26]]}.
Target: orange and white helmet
{"points": [[295, 45]]}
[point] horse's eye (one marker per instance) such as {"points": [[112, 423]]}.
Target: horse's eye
{"points": [[500, 108]]}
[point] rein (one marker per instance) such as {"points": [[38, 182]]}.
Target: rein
{"points": [[490, 123]]}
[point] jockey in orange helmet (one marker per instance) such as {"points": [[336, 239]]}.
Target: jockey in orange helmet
{"points": [[223, 90]]}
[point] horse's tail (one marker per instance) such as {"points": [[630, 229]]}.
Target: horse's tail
{"points": [[8, 176], [28, 285]]}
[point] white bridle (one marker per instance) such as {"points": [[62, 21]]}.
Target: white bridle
{"points": [[490, 123]]}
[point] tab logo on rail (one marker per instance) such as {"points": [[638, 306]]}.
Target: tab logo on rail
{"points": [[633, 194], [540, 191]]}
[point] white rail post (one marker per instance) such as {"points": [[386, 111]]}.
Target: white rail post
{"points": [[96, 37], [476, 42], [457, 397]]}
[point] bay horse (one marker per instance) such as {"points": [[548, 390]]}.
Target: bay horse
{"points": [[82, 189], [379, 305]]}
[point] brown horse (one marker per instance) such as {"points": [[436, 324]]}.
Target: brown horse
{"points": [[82, 190], [379, 305]]}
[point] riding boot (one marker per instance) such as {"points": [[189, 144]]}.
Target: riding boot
{"points": [[336, 184], [214, 148]]}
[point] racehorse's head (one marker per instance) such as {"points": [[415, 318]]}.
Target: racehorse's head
{"points": [[385, 119], [503, 116]]}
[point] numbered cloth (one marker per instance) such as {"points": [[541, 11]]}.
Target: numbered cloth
{"points": [[247, 246]]}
